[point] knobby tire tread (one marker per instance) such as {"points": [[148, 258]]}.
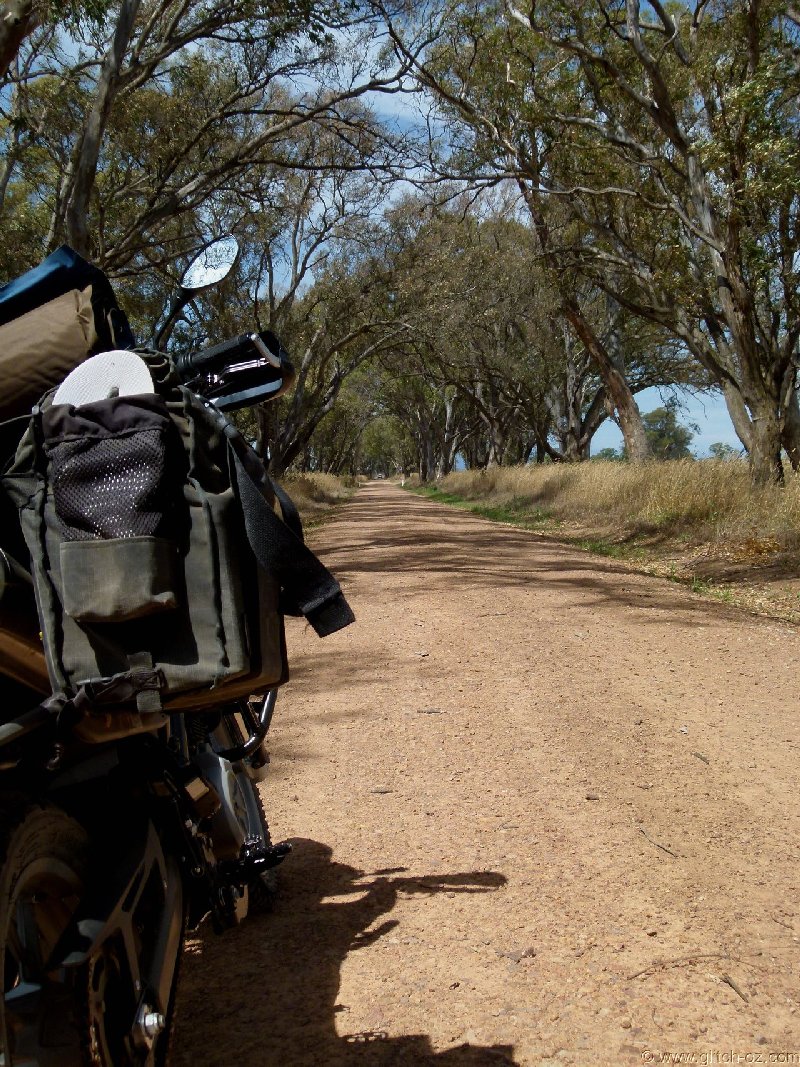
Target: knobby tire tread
{"points": [[263, 891]]}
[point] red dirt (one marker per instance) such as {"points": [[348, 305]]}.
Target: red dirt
{"points": [[545, 811]]}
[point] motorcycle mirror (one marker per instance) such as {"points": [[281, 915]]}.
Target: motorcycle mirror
{"points": [[205, 270], [212, 265]]}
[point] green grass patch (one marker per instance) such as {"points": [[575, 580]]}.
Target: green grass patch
{"points": [[615, 549], [436, 492], [517, 512], [704, 588], [603, 548]]}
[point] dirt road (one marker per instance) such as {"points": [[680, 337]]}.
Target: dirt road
{"points": [[545, 811]]}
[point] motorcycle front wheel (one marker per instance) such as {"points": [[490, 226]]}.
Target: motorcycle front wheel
{"points": [[262, 888]]}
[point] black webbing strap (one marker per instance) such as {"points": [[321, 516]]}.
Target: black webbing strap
{"points": [[291, 516], [305, 581]]}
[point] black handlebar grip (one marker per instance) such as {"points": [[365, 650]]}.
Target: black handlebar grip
{"points": [[208, 360]]}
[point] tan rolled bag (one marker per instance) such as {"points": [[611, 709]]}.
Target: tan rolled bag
{"points": [[51, 319]]}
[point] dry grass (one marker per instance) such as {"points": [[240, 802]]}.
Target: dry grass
{"points": [[316, 494], [697, 522], [702, 501]]}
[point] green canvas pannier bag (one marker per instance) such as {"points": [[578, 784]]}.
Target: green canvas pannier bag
{"points": [[161, 569]]}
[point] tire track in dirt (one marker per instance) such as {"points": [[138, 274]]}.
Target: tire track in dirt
{"points": [[545, 810]]}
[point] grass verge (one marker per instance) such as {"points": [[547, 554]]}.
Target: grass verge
{"points": [[318, 496], [514, 512], [700, 523]]}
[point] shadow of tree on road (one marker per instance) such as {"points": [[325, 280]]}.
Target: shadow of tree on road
{"points": [[453, 548], [266, 993]]}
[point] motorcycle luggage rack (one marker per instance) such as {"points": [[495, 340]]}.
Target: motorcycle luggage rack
{"points": [[240, 752]]}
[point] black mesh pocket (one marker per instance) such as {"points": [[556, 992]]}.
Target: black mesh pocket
{"points": [[114, 493], [109, 468], [110, 487]]}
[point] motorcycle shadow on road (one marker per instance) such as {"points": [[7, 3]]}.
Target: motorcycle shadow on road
{"points": [[267, 993]]}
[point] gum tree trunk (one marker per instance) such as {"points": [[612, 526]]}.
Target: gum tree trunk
{"points": [[617, 389], [89, 152], [18, 18]]}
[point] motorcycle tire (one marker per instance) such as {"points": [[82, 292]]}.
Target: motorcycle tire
{"points": [[44, 857], [261, 890], [103, 1010], [43, 1022]]}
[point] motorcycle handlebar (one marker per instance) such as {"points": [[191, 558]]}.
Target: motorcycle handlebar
{"points": [[219, 357], [209, 360]]}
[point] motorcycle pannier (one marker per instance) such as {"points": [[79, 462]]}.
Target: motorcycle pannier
{"points": [[160, 567]]}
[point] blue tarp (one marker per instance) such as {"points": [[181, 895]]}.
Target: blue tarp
{"points": [[63, 270]]}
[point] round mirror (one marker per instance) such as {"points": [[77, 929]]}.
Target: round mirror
{"points": [[212, 264]]}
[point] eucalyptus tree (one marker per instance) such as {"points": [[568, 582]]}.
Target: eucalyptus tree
{"points": [[464, 282], [160, 108], [433, 421], [311, 270], [337, 326], [667, 136], [488, 333], [458, 53], [170, 122], [336, 446], [385, 447], [692, 195], [19, 19]]}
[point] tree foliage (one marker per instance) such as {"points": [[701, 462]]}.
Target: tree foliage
{"points": [[657, 149], [608, 199], [131, 137], [669, 438]]}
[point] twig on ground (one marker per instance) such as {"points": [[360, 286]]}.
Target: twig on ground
{"points": [[662, 847], [726, 978], [677, 963], [700, 756], [786, 926]]}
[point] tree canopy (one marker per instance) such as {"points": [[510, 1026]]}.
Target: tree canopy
{"points": [[669, 438], [578, 202]]}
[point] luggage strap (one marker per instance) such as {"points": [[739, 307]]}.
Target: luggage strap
{"points": [[309, 587]]}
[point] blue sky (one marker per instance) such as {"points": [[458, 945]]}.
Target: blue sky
{"points": [[707, 411]]}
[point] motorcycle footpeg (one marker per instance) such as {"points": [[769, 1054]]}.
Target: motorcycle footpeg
{"points": [[258, 858], [276, 854]]}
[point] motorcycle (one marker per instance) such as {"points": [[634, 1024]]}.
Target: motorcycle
{"points": [[113, 844]]}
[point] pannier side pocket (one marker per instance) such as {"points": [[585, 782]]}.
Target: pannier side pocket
{"points": [[113, 581], [114, 498]]}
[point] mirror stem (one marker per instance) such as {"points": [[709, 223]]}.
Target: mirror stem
{"points": [[179, 302]]}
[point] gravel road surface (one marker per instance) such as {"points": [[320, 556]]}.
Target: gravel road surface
{"points": [[545, 811]]}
